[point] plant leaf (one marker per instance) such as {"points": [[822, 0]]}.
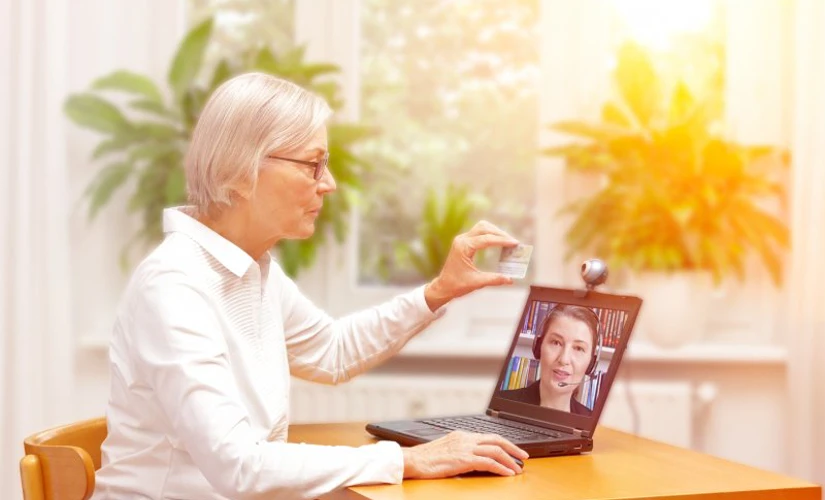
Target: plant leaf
{"points": [[175, 186], [329, 91], [191, 106], [295, 56], [133, 83], [113, 145], [221, 74], [594, 131], [346, 133], [565, 150], [637, 82], [682, 104], [154, 107], [96, 113], [151, 152], [159, 131], [614, 115], [105, 184], [311, 71], [296, 254], [187, 62], [265, 61]]}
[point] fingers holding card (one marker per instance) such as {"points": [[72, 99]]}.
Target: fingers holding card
{"points": [[514, 260]]}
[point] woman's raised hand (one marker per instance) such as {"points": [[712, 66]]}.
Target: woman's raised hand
{"points": [[460, 276]]}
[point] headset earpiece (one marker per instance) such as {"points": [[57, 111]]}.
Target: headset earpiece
{"points": [[597, 352], [539, 338]]}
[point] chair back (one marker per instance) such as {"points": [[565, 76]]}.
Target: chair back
{"points": [[60, 463]]}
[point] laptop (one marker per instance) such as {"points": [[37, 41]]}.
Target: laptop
{"points": [[558, 371]]}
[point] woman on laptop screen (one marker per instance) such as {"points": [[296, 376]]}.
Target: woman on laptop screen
{"points": [[566, 347]]}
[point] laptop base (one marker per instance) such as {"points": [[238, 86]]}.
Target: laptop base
{"points": [[413, 432]]}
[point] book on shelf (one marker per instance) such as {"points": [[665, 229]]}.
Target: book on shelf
{"points": [[611, 323], [521, 372], [590, 390], [535, 315]]}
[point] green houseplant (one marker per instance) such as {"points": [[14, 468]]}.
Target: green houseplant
{"points": [[442, 219], [675, 204], [673, 194], [146, 138]]}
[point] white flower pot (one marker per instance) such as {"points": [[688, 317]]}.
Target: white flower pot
{"points": [[675, 306]]}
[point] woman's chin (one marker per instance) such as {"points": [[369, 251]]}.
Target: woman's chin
{"points": [[304, 232]]}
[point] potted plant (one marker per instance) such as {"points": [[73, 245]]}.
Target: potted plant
{"points": [[676, 202], [442, 219], [146, 138]]}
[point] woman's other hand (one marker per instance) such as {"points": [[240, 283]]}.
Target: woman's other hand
{"points": [[459, 452], [460, 276]]}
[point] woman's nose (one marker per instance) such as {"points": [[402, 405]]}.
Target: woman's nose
{"points": [[326, 184], [565, 356]]}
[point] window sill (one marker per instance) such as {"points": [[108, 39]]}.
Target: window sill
{"points": [[710, 353], [638, 352], [646, 353]]}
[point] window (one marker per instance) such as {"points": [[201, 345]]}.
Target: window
{"points": [[452, 87], [241, 24]]}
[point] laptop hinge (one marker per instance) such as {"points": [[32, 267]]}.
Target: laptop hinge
{"points": [[539, 423]]}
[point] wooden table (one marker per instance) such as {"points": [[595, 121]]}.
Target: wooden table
{"points": [[621, 466]]}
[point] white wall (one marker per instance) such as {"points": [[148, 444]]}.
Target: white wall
{"points": [[58, 277], [103, 36]]}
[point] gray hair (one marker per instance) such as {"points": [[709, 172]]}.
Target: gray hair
{"points": [[246, 118]]}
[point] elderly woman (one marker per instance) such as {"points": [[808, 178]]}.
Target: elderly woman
{"points": [[210, 328]]}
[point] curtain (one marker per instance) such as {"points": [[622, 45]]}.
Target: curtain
{"points": [[805, 325], [55, 289], [36, 344]]}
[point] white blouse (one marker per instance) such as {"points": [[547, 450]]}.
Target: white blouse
{"points": [[202, 350]]}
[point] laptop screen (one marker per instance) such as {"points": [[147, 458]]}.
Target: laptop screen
{"points": [[565, 353]]}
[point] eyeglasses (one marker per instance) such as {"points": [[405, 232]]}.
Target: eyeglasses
{"points": [[319, 165]]}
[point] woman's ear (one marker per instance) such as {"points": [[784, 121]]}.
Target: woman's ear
{"points": [[241, 192]]}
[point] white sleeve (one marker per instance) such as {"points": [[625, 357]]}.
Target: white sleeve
{"points": [[180, 353], [332, 351]]}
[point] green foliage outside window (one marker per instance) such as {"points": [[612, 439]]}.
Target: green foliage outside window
{"points": [[452, 86]]}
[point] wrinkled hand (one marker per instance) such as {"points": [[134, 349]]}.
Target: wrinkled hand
{"points": [[459, 452], [459, 276]]}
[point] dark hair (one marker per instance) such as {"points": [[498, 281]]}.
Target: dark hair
{"points": [[580, 313]]}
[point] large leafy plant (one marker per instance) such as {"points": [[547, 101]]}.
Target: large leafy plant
{"points": [[672, 193], [146, 137]]}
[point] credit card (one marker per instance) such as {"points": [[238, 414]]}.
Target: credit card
{"points": [[514, 260]]}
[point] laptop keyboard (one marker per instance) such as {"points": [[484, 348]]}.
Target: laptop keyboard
{"points": [[485, 424]]}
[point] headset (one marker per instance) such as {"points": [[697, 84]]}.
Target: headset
{"points": [[597, 349]]}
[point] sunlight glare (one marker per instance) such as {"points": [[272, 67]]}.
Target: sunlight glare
{"points": [[654, 23]]}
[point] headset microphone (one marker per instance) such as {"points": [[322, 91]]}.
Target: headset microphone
{"points": [[566, 384]]}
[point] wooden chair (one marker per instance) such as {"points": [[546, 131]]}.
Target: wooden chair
{"points": [[60, 463]]}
